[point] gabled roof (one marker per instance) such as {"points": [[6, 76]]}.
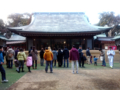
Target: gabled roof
{"points": [[16, 42], [15, 37], [100, 35], [63, 22], [116, 37], [3, 37], [105, 38]]}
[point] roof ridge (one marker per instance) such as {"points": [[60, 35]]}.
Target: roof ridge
{"points": [[58, 13]]}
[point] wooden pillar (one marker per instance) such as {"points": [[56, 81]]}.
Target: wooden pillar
{"points": [[89, 43], [92, 43], [30, 43]]}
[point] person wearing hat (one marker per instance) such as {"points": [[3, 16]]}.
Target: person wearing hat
{"points": [[110, 54]]}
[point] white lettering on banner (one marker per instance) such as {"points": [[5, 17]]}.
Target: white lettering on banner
{"points": [[113, 48]]}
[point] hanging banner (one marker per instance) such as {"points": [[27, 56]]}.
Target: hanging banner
{"points": [[113, 47]]}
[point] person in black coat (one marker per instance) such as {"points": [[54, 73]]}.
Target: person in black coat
{"points": [[81, 58], [60, 57], [30, 49], [66, 56], [41, 57], [88, 54]]}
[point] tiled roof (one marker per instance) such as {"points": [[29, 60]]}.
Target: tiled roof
{"points": [[16, 37], [116, 37], [105, 39], [3, 37], [54, 22]]}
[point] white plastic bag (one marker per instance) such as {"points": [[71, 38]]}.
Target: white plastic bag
{"points": [[101, 58]]}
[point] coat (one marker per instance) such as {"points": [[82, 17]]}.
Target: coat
{"points": [[88, 52], [110, 53], [1, 57], [41, 54], [95, 59], [60, 56], [80, 53], [21, 56], [48, 55], [55, 53], [34, 55], [74, 55], [66, 53], [10, 52], [29, 61], [16, 52]]}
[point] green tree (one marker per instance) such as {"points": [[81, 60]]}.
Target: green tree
{"points": [[17, 19], [109, 19], [2, 26], [1, 23], [3, 30]]}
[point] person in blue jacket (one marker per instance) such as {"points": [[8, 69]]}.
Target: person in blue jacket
{"points": [[3, 74], [95, 61]]}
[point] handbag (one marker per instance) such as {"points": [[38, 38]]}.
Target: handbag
{"points": [[101, 58]]}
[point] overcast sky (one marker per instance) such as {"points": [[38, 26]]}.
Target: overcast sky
{"points": [[92, 8]]}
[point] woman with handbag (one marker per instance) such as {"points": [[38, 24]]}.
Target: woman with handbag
{"points": [[102, 57]]}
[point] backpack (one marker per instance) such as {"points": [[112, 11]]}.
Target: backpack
{"points": [[10, 55]]}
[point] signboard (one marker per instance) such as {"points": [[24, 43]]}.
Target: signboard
{"points": [[113, 47], [106, 47]]}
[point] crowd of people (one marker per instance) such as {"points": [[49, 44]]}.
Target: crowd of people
{"points": [[51, 57]]}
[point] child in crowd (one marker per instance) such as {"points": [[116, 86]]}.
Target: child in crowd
{"points": [[3, 74], [29, 62], [95, 61], [16, 65]]}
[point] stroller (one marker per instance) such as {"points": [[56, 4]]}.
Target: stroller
{"points": [[16, 63]]}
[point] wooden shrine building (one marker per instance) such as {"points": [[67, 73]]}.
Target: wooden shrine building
{"points": [[117, 41], [56, 29]]}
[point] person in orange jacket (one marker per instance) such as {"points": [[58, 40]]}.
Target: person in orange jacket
{"points": [[48, 56]]}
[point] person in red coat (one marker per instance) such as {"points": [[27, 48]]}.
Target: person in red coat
{"points": [[74, 57]]}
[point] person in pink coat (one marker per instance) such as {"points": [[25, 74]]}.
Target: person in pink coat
{"points": [[29, 62]]}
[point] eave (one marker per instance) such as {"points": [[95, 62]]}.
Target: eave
{"points": [[32, 33]]}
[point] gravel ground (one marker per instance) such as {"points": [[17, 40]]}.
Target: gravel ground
{"points": [[108, 79]]}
